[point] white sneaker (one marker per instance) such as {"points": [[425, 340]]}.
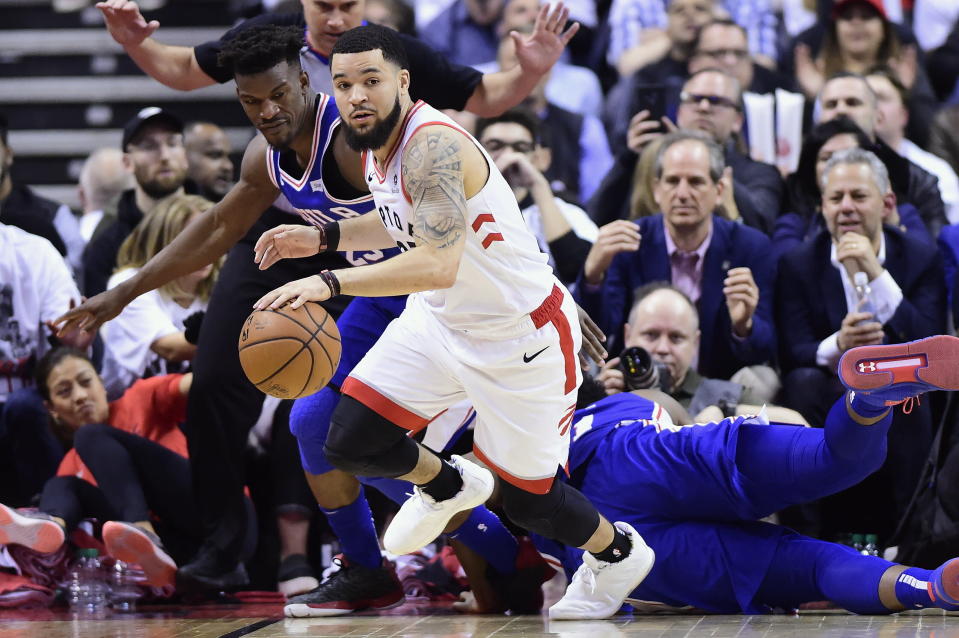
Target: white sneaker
{"points": [[598, 588], [421, 519]]}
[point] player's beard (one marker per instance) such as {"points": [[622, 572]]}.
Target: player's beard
{"points": [[377, 136]]}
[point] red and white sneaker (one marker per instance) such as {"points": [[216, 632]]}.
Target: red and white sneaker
{"points": [[901, 371], [129, 543], [35, 530]]}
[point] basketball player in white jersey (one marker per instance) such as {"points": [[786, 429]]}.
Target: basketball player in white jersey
{"points": [[486, 320]]}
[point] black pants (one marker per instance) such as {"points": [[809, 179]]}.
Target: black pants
{"points": [[135, 476], [223, 404], [138, 476]]}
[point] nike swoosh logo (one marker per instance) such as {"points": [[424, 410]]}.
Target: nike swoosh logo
{"points": [[529, 357]]}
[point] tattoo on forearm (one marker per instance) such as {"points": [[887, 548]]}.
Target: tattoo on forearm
{"points": [[433, 174]]}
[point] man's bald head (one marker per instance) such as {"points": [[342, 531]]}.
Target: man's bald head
{"points": [[103, 179], [208, 156], [665, 323]]}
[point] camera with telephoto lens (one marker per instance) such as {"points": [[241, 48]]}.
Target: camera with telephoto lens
{"points": [[641, 371]]}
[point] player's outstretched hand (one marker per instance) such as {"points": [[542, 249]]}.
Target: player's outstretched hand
{"points": [[312, 288], [88, 316], [538, 51], [125, 22], [593, 339], [287, 241]]}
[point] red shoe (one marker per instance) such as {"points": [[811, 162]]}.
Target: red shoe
{"points": [[129, 543], [945, 585], [898, 372], [35, 530]]}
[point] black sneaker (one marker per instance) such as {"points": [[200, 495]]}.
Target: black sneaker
{"points": [[295, 576], [210, 570], [352, 588], [522, 591]]}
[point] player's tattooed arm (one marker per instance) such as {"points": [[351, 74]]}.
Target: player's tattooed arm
{"points": [[433, 165]]}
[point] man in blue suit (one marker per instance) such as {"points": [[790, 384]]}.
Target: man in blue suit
{"points": [[819, 317], [727, 269]]}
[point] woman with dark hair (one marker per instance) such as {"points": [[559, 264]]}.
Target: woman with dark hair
{"points": [[858, 38], [125, 461], [803, 187]]}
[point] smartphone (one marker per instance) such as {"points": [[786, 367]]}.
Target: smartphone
{"points": [[652, 98]]}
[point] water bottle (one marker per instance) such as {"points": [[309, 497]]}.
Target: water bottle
{"points": [[124, 591], [864, 296], [857, 542], [871, 548], [88, 587]]}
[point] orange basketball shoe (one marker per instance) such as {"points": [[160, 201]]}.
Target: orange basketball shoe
{"points": [[35, 530], [897, 372]]}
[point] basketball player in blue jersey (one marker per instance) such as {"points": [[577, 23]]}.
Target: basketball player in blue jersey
{"points": [[696, 493], [299, 155]]}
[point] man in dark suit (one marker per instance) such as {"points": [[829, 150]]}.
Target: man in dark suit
{"points": [[818, 311], [726, 269], [711, 101]]}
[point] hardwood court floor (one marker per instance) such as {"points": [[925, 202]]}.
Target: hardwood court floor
{"points": [[431, 620]]}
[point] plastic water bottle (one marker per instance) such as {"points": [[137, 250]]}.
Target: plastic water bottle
{"points": [[124, 591], [88, 590], [864, 296], [857, 542], [871, 548]]}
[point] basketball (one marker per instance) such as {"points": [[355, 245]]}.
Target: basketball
{"points": [[290, 353]]}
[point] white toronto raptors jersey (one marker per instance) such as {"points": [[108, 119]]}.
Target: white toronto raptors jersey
{"points": [[502, 275]]}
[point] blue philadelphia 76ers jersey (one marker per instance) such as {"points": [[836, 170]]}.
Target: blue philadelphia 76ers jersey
{"points": [[307, 193]]}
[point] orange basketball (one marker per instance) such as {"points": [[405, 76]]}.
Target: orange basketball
{"points": [[290, 353]]}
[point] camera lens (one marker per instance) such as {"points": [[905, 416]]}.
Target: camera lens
{"points": [[638, 369]]}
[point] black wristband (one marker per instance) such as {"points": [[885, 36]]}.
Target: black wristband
{"points": [[330, 279], [329, 236]]}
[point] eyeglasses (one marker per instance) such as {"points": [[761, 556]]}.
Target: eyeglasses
{"points": [[494, 145], [154, 145], [719, 54], [713, 100]]}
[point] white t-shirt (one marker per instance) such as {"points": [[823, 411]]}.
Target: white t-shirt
{"points": [[127, 338], [577, 218], [35, 286]]}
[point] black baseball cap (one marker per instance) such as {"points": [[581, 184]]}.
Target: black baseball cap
{"points": [[147, 115]]}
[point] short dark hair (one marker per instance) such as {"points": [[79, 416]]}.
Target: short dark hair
{"points": [[803, 191], [886, 71], [260, 48], [873, 100], [516, 115], [719, 22], [51, 360], [370, 37], [4, 129], [737, 86]]}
